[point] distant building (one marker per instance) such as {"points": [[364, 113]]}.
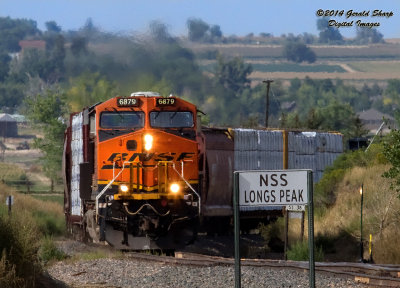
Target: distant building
{"points": [[36, 44], [373, 119], [21, 119], [8, 126]]}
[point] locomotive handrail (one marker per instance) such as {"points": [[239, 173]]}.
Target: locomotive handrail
{"points": [[119, 173], [190, 186], [108, 186]]}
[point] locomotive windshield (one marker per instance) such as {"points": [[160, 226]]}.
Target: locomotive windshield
{"points": [[122, 119], [171, 119]]}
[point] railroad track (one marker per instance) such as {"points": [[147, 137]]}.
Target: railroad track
{"points": [[374, 275]]}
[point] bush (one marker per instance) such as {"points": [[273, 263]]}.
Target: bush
{"points": [[333, 175], [49, 251], [19, 243], [298, 52], [326, 243], [8, 276], [273, 234], [49, 224], [300, 252]]}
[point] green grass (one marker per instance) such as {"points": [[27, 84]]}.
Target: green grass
{"points": [[376, 66], [19, 245], [10, 172], [14, 176], [95, 254], [286, 67], [53, 198], [49, 252], [49, 224], [300, 252], [292, 67]]}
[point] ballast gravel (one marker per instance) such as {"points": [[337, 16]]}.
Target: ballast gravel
{"points": [[127, 272]]}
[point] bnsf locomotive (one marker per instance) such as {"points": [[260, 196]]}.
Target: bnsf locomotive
{"points": [[131, 170], [140, 173]]}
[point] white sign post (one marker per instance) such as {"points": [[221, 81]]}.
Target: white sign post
{"points": [[293, 188]]}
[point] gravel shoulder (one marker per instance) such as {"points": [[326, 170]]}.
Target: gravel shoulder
{"points": [[123, 271]]}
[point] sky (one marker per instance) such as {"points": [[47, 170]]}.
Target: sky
{"points": [[235, 17]]}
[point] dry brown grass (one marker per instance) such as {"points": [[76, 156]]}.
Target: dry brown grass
{"points": [[380, 212], [24, 202], [377, 62], [381, 217], [324, 75], [275, 51]]}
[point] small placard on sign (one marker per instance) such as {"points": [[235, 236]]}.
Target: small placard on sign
{"points": [[296, 207]]}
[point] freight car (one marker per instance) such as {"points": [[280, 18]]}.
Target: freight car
{"points": [[140, 172]]}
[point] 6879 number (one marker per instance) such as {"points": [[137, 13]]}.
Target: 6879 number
{"points": [[165, 101], [127, 102]]}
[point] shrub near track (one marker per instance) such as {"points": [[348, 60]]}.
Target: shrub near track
{"points": [[19, 245], [20, 237]]}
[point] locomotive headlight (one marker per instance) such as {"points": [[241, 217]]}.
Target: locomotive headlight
{"points": [[174, 188], [148, 142], [124, 188]]}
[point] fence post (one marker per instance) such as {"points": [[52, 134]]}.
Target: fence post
{"points": [[9, 199]]}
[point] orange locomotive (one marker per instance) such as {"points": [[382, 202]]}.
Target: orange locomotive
{"points": [[140, 172], [131, 172]]}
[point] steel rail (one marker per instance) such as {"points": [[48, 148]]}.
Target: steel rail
{"points": [[370, 274]]}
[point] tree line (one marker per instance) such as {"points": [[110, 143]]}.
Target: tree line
{"points": [[296, 48]]}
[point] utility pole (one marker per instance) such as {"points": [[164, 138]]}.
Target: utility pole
{"points": [[267, 106], [361, 225]]}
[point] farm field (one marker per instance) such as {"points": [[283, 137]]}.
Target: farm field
{"points": [[376, 66], [350, 63]]}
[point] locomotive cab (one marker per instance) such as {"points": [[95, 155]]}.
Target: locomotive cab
{"points": [[138, 171]]}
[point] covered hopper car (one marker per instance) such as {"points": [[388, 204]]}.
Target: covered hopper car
{"points": [[141, 173]]}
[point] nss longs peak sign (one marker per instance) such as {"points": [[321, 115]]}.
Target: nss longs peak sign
{"points": [[283, 187]]}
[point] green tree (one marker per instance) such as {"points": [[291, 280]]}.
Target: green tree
{"points": [[159, 32], [34, 63], [11, 95], [55, 52], [52, 27], [328, 34], [233, 74], [5, 60], [392, 93], [298, 52], [46, 111], [368, 36], [215, 31], [79, 46], [14, 30], [391, 150], [313, 120], [197, 29], [340, 117], [90, 31], [89, 89]]}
